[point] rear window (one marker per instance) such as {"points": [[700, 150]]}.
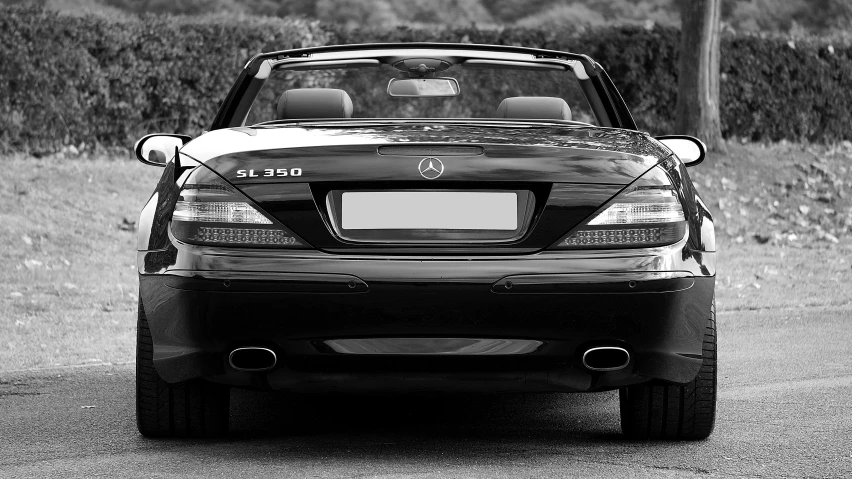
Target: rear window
{"points": [[481, 91]]}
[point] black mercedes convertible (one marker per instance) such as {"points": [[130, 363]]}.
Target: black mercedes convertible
{"points": [[411, 218]]}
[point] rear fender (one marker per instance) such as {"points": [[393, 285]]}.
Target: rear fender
{"points": [[157, 213], [702, 236]]}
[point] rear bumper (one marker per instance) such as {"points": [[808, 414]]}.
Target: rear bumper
{"points": [[653, 303]]}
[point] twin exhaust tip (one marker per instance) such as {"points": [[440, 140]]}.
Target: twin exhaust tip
{"points": [[252, 359], [606, 358], [603, 358]]}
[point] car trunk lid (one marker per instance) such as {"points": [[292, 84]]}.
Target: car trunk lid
{"points": [[352, 193]]}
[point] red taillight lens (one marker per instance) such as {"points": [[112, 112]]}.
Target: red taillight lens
{"points": [[624, 237], [211, 212], [646, 214]]}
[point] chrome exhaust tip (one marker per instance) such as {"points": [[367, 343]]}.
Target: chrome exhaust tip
{"points": [[252, 359], [606, 358]]}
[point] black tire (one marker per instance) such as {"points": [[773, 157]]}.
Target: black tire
{"points": [[685, 412], [193, 408]]}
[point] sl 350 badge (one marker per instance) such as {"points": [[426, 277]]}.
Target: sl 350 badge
{"points": [[269, 173]]}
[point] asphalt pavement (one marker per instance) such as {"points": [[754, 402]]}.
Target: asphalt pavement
{"points": [[785, 410]]}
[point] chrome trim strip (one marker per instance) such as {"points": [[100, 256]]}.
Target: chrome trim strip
{"points": [[599, 283], [596, 277], [434, 346]]}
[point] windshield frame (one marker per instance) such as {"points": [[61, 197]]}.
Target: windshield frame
{"points": [[604, 100]]}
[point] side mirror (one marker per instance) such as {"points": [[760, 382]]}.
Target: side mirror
{"points": [[690, 150], [156, 149]]}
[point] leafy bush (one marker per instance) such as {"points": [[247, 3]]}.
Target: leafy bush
{"points": [[772, 88], [66, 80]]}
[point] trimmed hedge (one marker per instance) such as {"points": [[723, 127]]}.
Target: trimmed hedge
{"points": [[771, 88], [70, 80], [642, 63], [775, 88]]}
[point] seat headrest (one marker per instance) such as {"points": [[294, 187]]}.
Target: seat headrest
{"points": [[534, 107], [314, 103]]}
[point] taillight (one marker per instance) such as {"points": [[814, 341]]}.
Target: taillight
{"points": [[647, 213], [209, 211]]}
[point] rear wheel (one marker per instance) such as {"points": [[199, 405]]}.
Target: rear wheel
{"points": [[659, 411], [189, 408]]}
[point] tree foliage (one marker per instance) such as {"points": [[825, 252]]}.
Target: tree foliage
{"points": [[797, 16]]}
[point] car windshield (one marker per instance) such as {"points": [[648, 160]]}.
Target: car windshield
{"points": [[480, 92]]}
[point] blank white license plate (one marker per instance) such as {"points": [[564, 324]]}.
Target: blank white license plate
{"points": [[439, 210]]}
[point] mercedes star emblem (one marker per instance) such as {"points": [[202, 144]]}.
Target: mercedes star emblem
{"points": [[430, 168]]}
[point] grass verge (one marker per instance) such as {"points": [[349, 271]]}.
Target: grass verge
{"points": [[68, 288]]}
